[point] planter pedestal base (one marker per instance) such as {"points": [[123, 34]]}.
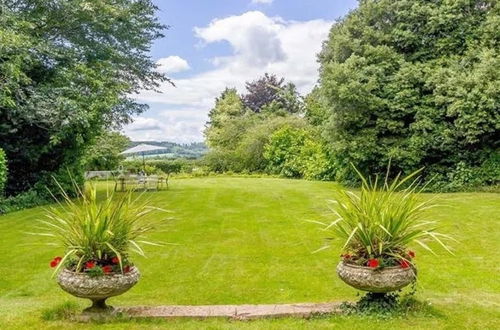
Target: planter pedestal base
{"points": [[99, 306]]}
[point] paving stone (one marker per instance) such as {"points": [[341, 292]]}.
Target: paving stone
{"points": [[232, 311]]}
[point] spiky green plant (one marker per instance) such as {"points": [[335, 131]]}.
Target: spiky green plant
{"points": [[384, 219], [98, 230]]}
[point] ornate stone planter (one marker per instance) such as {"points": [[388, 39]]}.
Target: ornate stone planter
{"points": [[376, 280], [99, 288]]}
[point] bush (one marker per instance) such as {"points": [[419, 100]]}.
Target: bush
{"points": [[296, 153], [40, 193], [3, 171], [464, 177], [220, 161], [167, 166], [23, 200], [162, 166], [136, 166]]}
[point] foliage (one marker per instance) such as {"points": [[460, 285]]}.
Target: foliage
{"points": [[227, 120], [383, 220], [104, 154], [3, 172], [95, 231], [316, 112], [464, 177], [284, 150], [136, 166], [21, 201], [416, 82], [220, 161], [65, 80], [161, 166], [270, 94], [296, 153], [239, 127], [251, 148], [167, 166]]}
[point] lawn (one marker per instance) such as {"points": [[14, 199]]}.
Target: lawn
{"points": [[247, 241]]}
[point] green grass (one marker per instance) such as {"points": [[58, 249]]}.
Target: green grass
{"points": [[247, 241]]}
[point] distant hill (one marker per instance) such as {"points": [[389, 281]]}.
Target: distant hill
{"points": [[174, 150]]}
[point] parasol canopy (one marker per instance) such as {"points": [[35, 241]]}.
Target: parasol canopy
{"points": [[141, 149]]}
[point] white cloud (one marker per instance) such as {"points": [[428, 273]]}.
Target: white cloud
{"points": [[253, 36], [259, 44], [174, 126], [262, 1], [172, 64]]}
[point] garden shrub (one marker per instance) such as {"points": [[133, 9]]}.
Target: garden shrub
{"points": [[162, 166], [166, 166], [136, 166], [296, 153], [22, 201], [40, 193], [465, 177], [220, 161]]}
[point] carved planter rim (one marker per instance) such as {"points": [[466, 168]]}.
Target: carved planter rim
{"points": [[376, 279], [132, 269], [378, 269]]}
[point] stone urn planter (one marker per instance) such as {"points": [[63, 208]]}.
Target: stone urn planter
{"points": [[98, 288], [374, 279]]}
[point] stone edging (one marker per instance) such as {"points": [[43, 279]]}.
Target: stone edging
{"points": [[238, 312]]}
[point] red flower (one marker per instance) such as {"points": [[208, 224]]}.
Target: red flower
{"points": [[107, 269], [404, 264], [347, 256], [89, 264], [373, 263], [411, 254], [126, 269], [55, 262], [115, 260]]}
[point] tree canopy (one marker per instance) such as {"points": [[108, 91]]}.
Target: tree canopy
{"points": [[411, 82], [105, 153], [414, 81], [246, 132], [67, 71]]}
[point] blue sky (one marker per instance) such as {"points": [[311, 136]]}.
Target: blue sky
{"points": [[212, 44]]}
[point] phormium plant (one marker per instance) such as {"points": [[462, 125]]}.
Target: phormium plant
{"points": [[380, 222], [98, 234]]}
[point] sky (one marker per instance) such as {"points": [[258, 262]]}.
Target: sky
{"points": [[214, 44]]}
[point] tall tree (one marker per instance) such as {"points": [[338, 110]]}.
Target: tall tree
{"points": [[271, 95], [416, 81], [68, 68], [262, 92], [219, 130]]}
